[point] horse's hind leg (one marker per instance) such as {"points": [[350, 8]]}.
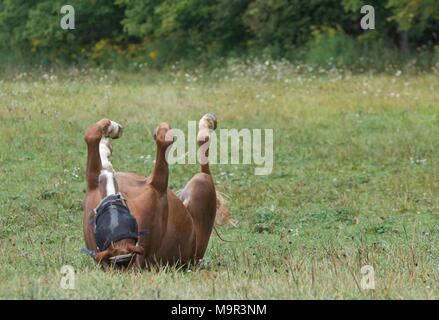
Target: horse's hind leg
{"points": [[199, 194], [206, 124], [199, 197]]}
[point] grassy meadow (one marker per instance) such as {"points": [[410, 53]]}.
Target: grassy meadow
{"points": [[355, 181]]}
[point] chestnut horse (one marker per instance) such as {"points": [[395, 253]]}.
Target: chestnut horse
{"points": [[171, 228]]}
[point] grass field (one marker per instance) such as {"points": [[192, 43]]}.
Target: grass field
{"points": [[355, 182]]}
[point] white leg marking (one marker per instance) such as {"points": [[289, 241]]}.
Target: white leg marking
{"points": [[110, 187], [105, 153], [113, 131], [107, 167]]}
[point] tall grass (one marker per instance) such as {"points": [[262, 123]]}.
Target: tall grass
{"points": [[342, 51], [328, 49], [355, 181]]}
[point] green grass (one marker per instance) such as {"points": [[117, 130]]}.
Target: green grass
{"points": [[355, 182]]}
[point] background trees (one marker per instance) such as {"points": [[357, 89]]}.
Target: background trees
{"points": [[161, 31]]}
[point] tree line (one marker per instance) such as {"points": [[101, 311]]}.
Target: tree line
{"points": [[160, 31]]}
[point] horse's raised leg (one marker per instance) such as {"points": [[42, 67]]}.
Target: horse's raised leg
{"points": [[101, 183], [160, 174], [199, 194], [107, 180], [93, 136]]}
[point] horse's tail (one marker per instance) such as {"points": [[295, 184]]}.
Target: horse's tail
{"points": [[223, 215]]}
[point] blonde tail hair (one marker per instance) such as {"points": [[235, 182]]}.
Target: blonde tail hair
{"points": [[223, 215]]}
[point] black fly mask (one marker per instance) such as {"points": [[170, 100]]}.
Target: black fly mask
{"points": [[113, 222]]}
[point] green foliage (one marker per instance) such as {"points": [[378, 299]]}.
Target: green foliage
{"points": [[333, 48], [157, 32], [287, 24], [34, 26], [187, 28], [419, 19], [414, 14]]}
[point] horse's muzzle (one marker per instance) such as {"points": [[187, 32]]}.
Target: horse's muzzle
{"points": [[122, 261]]}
